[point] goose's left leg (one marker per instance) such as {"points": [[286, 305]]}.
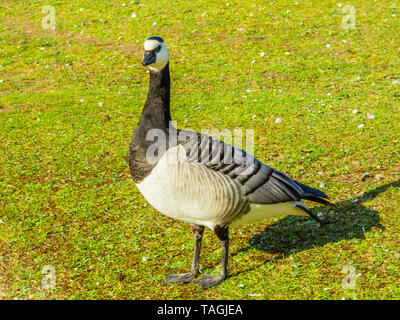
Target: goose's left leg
{"points": [[195, 269], [210, 280]]}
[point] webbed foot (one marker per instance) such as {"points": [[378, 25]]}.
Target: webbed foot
{"points": [[180, 277], [210, 280]]}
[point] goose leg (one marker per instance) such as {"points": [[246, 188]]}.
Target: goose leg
{"points": [[194, 270], [210, 280]]}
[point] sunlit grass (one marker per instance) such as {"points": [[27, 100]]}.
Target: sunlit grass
{"points": [[71, 98]]}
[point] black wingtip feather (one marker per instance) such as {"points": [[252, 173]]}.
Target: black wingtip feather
{"points": [[312, 191], [319, 200]]}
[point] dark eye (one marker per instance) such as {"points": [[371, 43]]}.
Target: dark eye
{"points": [[158, 48]]}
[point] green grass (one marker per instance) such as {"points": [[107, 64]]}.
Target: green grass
{"points": [[66, 195]]}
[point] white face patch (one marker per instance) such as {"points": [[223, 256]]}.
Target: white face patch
{"points": [[162, 56]]}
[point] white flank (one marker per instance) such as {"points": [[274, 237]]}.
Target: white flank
{"points": [[192, 193], [262, 211]]}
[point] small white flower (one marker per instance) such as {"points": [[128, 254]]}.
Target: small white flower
{"points": [[339, 4], [326, 289], [370, 116], [355, 111], [154, 23], [253, 117], [244, 96], [119, 38], [10, 119], [203, 14], [344, 41], [248, 90], [321, 185], [1, 221], [328, 45], [287, 53], [251, 14], [144, 259], [361, 126], [395, 81], [81, 9], [262, 54], [97, 283], [253, 61], [133, 15], [1, 80], [124, 4], [81, 31], [329, 94], [100, 104], [81, 100], [241, 285], [38, 119], [278, 120], [42, 48]]}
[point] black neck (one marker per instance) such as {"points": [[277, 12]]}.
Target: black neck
{"points": [[155, 115], [156, 112]]}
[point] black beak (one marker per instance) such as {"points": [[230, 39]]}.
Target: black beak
{"points": [[148, 58]]}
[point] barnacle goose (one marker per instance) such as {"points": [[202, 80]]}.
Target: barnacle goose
{"points": [[201, 180]]}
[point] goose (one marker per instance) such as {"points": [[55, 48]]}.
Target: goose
{"points": [[200, 180]]}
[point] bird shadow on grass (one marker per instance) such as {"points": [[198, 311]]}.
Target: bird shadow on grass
{"points": [[295, 234]]}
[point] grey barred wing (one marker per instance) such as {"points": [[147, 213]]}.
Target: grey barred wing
{"points": [[262, 184]]}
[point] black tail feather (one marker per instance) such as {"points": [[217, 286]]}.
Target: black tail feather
{"points": [[312, 191], [315, 198]]}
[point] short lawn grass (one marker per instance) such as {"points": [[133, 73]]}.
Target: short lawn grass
{"points": [[70, 99]]}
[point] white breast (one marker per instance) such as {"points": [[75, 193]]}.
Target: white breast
{"points": [[191, 192]]}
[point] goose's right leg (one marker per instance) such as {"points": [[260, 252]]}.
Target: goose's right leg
{"points": [[195, 269]]}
